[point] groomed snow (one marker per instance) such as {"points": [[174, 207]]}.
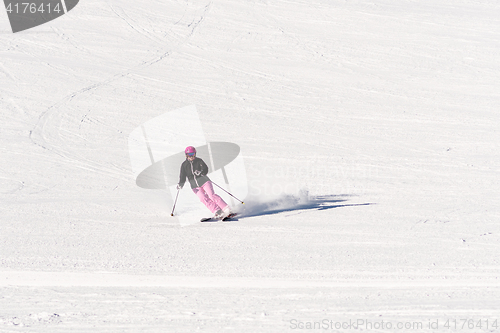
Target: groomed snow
{"points": [[369, 132]]}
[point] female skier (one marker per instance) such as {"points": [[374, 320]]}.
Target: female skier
{"points": [[195, 169]]}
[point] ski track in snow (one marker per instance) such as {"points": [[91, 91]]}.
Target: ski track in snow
{"points": [[52, 134], [369, 134]]}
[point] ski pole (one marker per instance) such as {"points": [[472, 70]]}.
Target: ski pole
{"points": [[175, 202], [228, 193]]}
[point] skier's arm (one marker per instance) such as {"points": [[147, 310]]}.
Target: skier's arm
{"points": [[182, 177], [204, 168]]}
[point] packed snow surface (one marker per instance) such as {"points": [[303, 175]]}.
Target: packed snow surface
{"points": [[369, 132]]}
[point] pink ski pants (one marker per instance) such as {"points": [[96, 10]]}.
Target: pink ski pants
{"points": [[207, 196]]}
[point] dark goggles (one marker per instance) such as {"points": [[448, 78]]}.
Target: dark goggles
{"points": [[190, 154]]}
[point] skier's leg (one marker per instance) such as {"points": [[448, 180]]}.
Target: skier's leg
{"points": [[200, 193], [209, 190]]}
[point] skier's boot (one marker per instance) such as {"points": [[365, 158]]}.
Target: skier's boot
{"points": [[227, 212], [219, 215]]}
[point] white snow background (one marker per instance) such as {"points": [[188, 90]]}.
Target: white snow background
{"points": [[370, 135]]}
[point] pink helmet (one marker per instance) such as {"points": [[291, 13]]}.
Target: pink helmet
{"points": [[190, 150]]}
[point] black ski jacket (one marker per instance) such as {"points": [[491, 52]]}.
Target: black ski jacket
{"points": [[189, 170]]}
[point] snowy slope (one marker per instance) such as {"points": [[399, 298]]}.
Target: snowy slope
{"points": [[369, 131]]}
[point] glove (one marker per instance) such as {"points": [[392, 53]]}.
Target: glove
{"points": [[197, 172], [179, 186]]}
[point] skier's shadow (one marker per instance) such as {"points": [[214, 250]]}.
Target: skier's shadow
{"points": [[287, 204]]}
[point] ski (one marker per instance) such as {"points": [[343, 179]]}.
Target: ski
{"points": [[214, 219], [229, 217]]}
